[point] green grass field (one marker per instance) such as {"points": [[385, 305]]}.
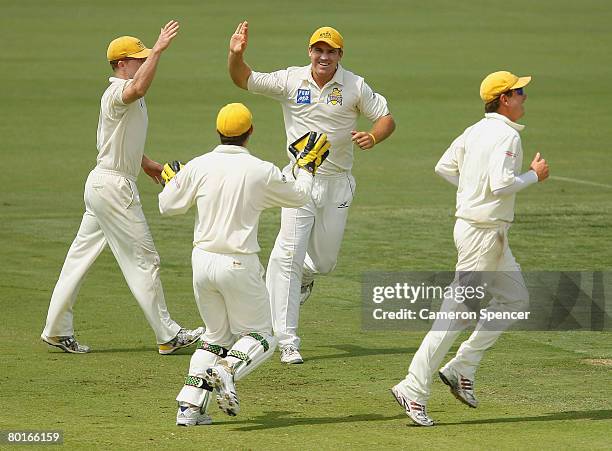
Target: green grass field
{"points": [[544, 390]]}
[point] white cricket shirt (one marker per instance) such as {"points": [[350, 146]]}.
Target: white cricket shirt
{"points": [[231, 188], [333, 109], [487, 156], [122, 131]]}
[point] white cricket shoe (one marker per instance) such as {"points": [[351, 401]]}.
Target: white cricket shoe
{"points": [[222, 381], [461, 387], [291, 355], [417, 412], [66, 344], [184, 338], [188, 415], [305, 292]]}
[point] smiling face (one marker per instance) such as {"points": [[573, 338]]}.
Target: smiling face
{"points": [[324, 60]]}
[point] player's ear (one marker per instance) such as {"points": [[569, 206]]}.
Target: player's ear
{"points": [[340, 52]]}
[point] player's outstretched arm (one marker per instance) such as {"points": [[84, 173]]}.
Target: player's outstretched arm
{"points": [[238, 69], [381, 130], [144, 76]]}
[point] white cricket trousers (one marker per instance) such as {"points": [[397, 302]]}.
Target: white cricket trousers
{"points": [[307, 244], [113, 215], [233, 302], [231, 295], [479, 249]]}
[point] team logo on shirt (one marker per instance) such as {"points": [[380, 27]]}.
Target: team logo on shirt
{"points": [[335, 97], [303, 96]]}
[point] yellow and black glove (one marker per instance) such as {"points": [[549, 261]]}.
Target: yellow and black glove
{"points": [[170, 170], [310, 151]]}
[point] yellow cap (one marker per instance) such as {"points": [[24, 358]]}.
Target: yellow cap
{"points": [[329, 35], [234, 119], [497, 83], [126, 47]]}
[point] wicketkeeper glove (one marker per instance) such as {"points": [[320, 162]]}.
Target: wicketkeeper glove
{"points": [[310, 151], [170, 170]]}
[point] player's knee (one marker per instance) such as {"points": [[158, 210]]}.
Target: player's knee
{"points": [[284, 259], [325, 266], [148, 258]]}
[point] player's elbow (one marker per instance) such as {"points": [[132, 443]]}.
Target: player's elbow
{"points": [[241, 82], [391, 124], [239, 75], [162, 209], [164, 206], [133, 93], [439, 170], [139, 90]]}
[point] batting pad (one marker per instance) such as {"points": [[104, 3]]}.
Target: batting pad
{"points": [[256, 347], [201, 360]]}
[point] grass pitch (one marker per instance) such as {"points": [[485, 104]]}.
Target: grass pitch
{"points": [[537, 390]]}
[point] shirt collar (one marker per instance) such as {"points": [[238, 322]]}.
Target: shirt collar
{"points": [[116, 79], [224, 148], [503, 118], [337, 78]]}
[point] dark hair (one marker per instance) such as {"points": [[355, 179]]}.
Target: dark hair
{"points": [[493, 105], [235, 140]]}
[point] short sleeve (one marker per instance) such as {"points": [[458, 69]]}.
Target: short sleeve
{"points": [[371, 104], [112, 101], [272, 84], [503, 162]]}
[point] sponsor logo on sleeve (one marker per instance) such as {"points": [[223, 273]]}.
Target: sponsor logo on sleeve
{"points": [[510, 154], [303, 96]]}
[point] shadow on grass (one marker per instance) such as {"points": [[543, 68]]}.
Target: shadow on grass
{"points": [[349, 350], [141, 349], [559, 416], [150, 349], [282, 419]]}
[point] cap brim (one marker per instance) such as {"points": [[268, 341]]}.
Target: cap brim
{"points": [[327, 41], [142, 54], [521, 82]]}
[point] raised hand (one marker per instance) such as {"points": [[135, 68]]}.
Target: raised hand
{"points": [[166, 35], [240, 38], [540, 167]]}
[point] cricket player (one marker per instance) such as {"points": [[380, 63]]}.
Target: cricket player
{"points": [[325, 97], [484, 162], [230, 188], [113, 212]]}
